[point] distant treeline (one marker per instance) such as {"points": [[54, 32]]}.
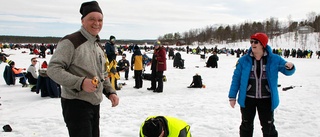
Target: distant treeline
{"points": [[30, 39], [239, 32]]}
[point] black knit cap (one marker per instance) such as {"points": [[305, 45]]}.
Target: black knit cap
{"points": [[112, 37], [88, 7], [152, 128], [11, 62]]}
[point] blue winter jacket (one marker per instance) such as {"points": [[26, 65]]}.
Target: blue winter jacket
{"points": [[240, 77]]}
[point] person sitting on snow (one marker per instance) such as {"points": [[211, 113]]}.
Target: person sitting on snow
{"points": [[178, 62], [18, 73], [196, 82], [32, 74]]}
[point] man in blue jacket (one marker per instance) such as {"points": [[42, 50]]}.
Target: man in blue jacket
{"points": [[255, 81]]}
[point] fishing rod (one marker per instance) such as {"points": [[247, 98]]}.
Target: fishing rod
{"points": [[290, 87]]}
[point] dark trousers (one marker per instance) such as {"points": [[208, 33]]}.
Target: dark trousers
{"points": [[81, 118], [138, 78], [265, 116], [156, 76], [126, 72]]}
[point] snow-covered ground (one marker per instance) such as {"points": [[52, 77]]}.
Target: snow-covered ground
{"points": [[207, 110]]}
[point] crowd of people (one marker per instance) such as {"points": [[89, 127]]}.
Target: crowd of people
{"points": [[31, 77]]}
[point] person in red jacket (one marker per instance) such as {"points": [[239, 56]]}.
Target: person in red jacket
{"points": [[44, 65], [158, 66]]}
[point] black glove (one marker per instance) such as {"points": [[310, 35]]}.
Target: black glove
{"points": [[131, 67], [113, 70]]}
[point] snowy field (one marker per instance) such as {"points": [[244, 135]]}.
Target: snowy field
{"points": [[207, 110]]}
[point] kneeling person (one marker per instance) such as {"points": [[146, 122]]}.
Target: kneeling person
{"points": [[164, 126]]}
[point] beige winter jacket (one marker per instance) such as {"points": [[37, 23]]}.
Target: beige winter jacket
{"points": [[79, 55]]}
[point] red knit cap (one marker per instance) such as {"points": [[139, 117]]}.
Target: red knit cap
{"points": [[262, 37]]}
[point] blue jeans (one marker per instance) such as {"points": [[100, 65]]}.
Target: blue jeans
{"points": [[23, 79]]}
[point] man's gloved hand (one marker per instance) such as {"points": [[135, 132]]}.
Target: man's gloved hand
{"points": [[113, 70], [131, 67]]}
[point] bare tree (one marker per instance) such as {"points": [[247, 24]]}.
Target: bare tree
{"points": [[289, 23]]}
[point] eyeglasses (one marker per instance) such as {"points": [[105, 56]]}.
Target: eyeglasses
{"points": [[254, 41], [34, 61]]}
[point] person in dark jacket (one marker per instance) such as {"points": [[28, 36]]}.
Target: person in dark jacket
{"points": [[123, 65], [158, 66], [178, 62], [110, 48], [255, 81], [213, 60], [51, 47], [43, 49], [171, 53], [164, 126]]}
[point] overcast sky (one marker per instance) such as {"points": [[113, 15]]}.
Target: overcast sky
{"points": [[143, 19]]}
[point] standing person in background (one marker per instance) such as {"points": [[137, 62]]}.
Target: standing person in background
{"points": [[110, 48], [51, 46], [137, 66], [112, 65], [43, 49], [158, 66], [255, 80], [188, 49], [78, 64]]}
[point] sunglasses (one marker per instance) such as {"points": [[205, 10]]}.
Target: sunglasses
{"points": [[254, 41]]}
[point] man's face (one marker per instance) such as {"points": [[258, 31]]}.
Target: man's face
{"points": [[34, 61], [93, 23]]}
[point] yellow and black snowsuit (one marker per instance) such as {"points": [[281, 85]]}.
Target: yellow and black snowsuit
{"points": [[111, 68], [173, 127]]}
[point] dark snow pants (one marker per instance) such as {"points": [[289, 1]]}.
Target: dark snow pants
{"points": [[265, 116], [138, 78], [157, 76], [81, 118]]}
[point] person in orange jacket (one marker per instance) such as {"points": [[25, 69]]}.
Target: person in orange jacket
{"points": [[18, 73]]}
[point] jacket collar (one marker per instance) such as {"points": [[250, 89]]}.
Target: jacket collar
{"points": [[89, 37]]}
